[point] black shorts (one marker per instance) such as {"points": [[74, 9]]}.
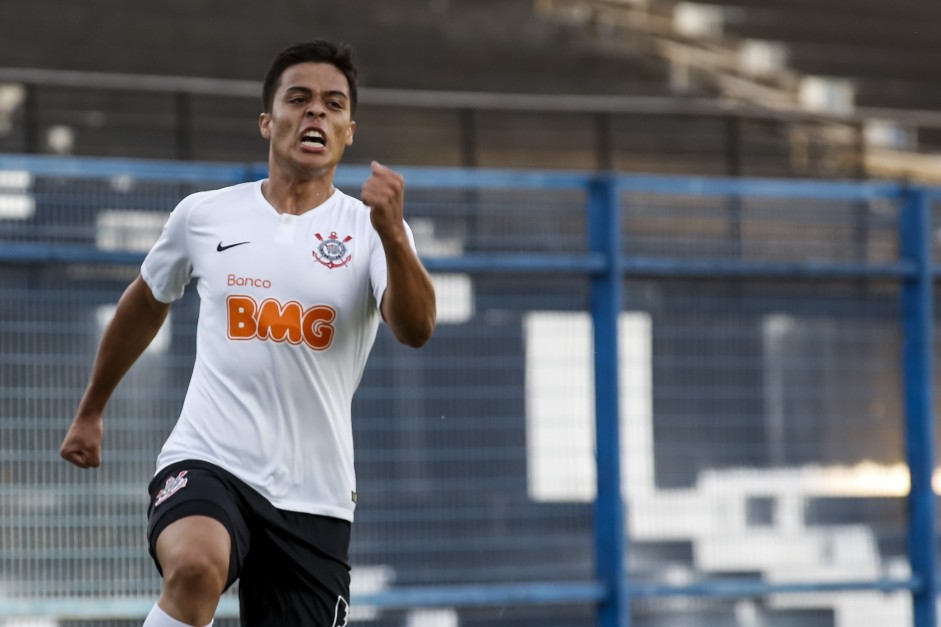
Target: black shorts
{"points": [[293, 568]]}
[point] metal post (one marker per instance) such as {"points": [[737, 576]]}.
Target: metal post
{"points": [[184, 126], [610, 541], [31, 120], [733, 168], [468, 126], [604, 144], [732, 132], [917, 353]]}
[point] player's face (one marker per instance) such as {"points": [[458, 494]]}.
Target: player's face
{"points": [[309, 125]]}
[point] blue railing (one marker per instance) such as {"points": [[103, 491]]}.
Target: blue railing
{"points": [[606, 264]]}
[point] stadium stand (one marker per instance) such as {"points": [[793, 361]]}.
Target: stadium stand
{"points": [[734, 87], [413, 44], [869, 64], [887, 49], [886, 52], [624, 108]]}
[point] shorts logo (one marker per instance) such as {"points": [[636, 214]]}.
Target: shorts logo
{"points": [[342, 614], [333, 251], [171, 487]]}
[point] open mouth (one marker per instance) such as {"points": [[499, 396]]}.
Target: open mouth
{"points": [[314, 139]]}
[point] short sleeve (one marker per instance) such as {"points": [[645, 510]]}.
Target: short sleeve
{"points": [[378, 270], [167, 268]]}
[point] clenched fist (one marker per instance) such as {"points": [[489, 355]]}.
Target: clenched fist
{"points": [[82, 444], [384, 193]]}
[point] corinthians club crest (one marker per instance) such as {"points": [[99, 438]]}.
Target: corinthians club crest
{"points": [[332, 252]]}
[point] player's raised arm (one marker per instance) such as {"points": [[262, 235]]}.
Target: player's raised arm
{"points": [[136, 321], [408, 305]]}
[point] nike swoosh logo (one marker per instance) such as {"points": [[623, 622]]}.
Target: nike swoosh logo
{"points": [[220, 247]]}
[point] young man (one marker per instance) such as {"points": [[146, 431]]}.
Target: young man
{"points": [[256, 480]]}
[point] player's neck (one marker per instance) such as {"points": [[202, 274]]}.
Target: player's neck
{"points": [[291, 195]]}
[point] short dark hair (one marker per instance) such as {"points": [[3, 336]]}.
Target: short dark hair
{"points": [[339, 56]]}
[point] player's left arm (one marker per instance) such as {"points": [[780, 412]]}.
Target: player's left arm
{"points": [[408, 306]]}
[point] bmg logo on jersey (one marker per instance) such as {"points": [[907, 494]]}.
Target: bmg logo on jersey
{"points": [[272, 320]]}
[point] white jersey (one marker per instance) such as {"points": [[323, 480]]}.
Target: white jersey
{"points": [[288, 314]]}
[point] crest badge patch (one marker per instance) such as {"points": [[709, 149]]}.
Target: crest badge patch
{"points": [[332, 251], [171, 487]]}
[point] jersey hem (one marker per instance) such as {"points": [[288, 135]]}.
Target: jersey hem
{"points": [[303, 507]]}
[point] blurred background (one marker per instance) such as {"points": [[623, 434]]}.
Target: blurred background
{"points": [[763, 338], [737, 87]]}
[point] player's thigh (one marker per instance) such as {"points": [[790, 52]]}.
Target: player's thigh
{"points": [[196, 519], [195, 544]]}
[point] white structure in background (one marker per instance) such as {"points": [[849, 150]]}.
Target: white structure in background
{"points": [[693, 19], [713, 515], [60, 139], [128, 229], [825, 94], [12, 97], [455, 292], [762, 58], [161, 341], [368, 580], [16, 199], [432, 617], [889, 134]]}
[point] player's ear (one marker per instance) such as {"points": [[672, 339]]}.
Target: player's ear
{"points": [[349, 133], [264, 125]]}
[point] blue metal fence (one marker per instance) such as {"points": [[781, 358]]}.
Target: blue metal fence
{"points": [[458, 519]]}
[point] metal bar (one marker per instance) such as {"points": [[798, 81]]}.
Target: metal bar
{"points": [[31, 119], [751, 589], [917, 353], [478, 596], [451, 178], [455, 178], [604, 233], [30, 254], [653, 105], [107, 167], [429, 99], [477, 264], [719, 269], [761, 188], [517, 594], [590, 263], [62, 253]]}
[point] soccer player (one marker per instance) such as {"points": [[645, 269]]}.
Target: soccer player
{"points": [[256, 480]]}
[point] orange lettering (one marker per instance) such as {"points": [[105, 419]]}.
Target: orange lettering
{"points": [[241, 317], [318, 332], [277, 322]]}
